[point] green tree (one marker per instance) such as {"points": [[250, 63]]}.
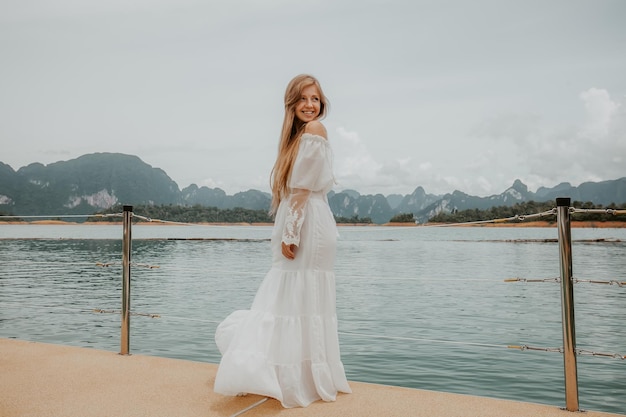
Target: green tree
{"points": [[193, 214], [525, 209], [353, 219], [403, 218]]}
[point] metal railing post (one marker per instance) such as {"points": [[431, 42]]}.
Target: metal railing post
{"points": [[567, 304], [126, 249]]}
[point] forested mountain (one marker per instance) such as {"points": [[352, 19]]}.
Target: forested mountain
{"points": [[96, 182], [216, 197], [600, 193], [351, 204], [84, 185]]}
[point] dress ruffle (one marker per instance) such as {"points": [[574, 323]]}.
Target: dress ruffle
{"points": [[284, 347]]}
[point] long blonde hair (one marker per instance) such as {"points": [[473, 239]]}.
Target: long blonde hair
{"points": [[290, 136]]}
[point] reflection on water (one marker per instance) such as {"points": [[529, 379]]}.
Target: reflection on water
{"points": [[424, 308]]}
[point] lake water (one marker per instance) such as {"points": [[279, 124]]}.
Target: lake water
{"points": [[418, 307]]}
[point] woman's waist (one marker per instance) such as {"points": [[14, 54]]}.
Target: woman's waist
{"points": [[320, 195], [316, 195]]}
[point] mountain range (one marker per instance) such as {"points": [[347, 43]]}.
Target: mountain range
{"points": [[98, 181]]}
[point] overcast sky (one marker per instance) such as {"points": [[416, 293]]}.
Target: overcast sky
{"points": [[466, 95]]}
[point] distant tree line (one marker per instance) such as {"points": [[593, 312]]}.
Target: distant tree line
{"points": [[353, 219], [191, 214], [204, 214], [403, 218], [527, 208], [194, 214]]}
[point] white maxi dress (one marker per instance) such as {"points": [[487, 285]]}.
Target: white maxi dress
{"points": [[286, 346]]}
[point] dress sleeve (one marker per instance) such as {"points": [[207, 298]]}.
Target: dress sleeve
{"points": [[311, 172]]}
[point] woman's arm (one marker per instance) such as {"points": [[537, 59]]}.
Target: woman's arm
{"points": [[307, 168]]}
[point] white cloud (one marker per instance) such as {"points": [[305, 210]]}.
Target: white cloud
{"points": [[354, 165], [425, 166], [600, 113], [603, 136], [593, 149], [211, 183]]}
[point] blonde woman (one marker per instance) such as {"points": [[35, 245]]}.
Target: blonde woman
{"points": [[286, 346]]}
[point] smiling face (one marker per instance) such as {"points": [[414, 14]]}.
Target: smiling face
{"points": [[308, 106]]}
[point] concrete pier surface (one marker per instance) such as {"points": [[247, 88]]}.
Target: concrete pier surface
{"points": [[40, 380]]}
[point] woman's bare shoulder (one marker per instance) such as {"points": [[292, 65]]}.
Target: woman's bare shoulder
{"points": [[316, 127]]}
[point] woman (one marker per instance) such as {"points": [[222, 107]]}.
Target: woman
{"points": [[286, 346]]}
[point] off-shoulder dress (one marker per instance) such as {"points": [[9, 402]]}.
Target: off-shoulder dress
{"points": [[286, 346]]}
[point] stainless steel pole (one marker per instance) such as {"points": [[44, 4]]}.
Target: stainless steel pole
{"points": [[567, 304], [126, 249]]}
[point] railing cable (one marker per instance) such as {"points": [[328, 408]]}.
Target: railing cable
{"points": [[595, 281], [150, 220], [517, 217], [578, 351], [108, 264], [58, 216], [611, 211], [533, 280], [574, 280], [132, 313]]}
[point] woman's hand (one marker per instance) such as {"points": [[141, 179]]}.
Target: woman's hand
{"points": [[289, 251]]}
